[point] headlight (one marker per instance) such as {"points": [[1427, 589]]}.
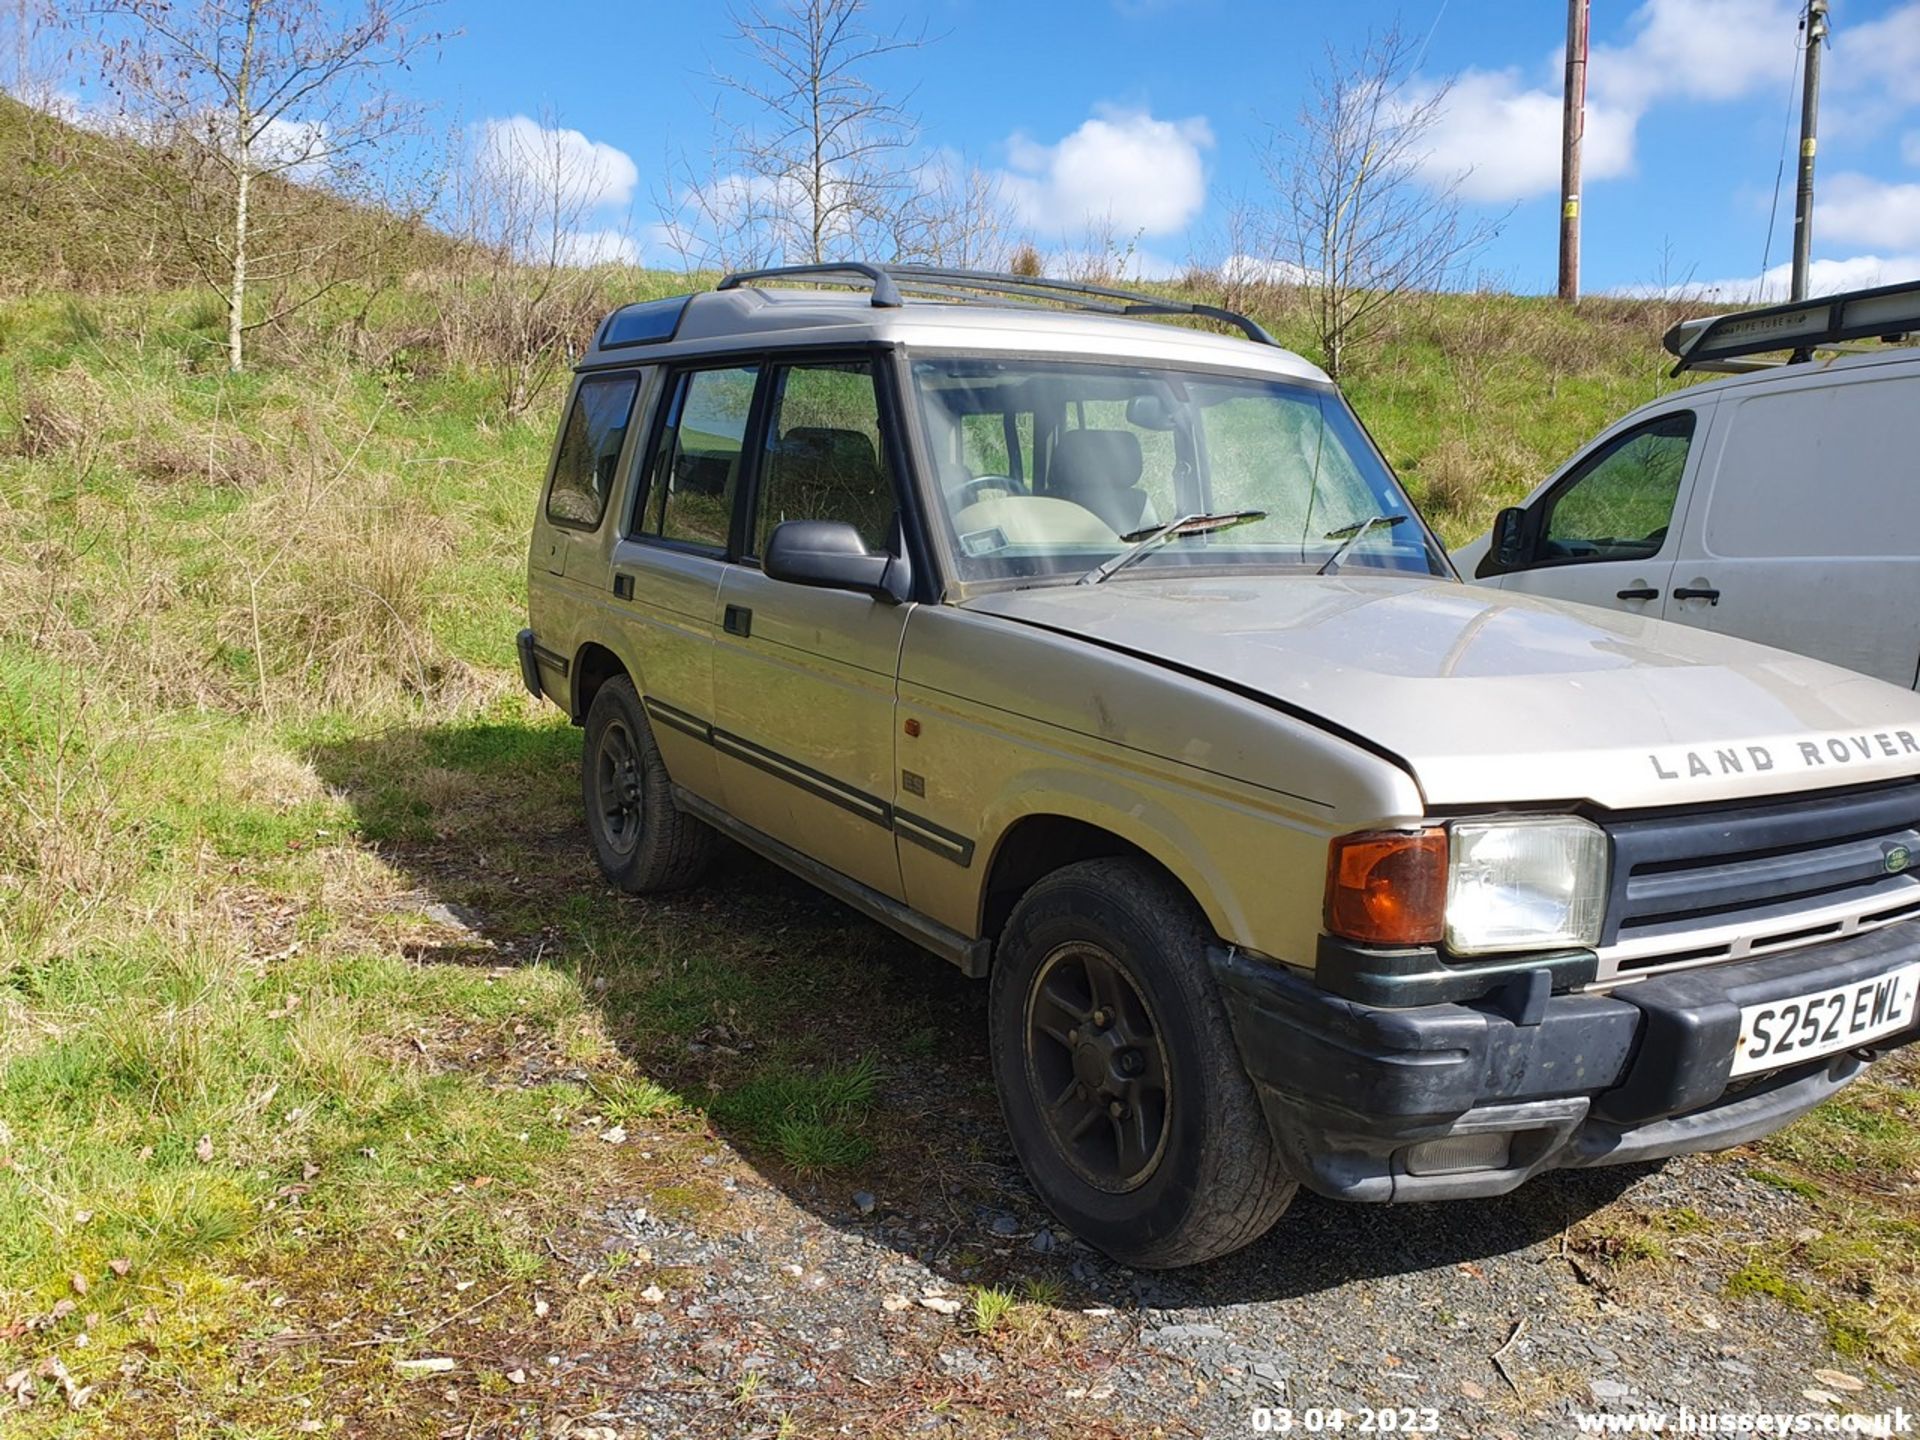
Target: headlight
{"points": [[1524, 884]]}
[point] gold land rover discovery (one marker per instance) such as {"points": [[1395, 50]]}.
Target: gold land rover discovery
{"points": [[1105, 658]]}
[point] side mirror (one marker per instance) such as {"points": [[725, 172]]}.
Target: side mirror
{"points": [[830, 555], [1507, 549]]}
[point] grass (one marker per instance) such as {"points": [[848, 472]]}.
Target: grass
{"points": [[305, 989]]}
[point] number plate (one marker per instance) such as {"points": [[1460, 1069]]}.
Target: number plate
{"points": [[1784, 1032]]}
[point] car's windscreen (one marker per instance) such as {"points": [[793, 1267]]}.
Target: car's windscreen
{"points": [[1046, 468]]}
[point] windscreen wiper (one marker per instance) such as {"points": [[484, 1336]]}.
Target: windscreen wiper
{"points": [[1355, 533], [1142, 543]]}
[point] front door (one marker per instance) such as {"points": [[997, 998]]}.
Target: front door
{"points": [[804, 679], [1607, 532]]}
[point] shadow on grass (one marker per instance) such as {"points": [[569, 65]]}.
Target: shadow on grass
{"points": [[837, 1057]]}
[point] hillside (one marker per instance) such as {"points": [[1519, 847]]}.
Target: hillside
{"points": [[98, 213]]}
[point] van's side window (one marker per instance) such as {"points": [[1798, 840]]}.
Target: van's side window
{"points": [[696, 465], [589, 450], [1619, 504], [826, 456]]}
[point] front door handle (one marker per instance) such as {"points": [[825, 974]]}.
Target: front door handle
{"points": [[738, 621], [1638, 592], [1696, 592]]}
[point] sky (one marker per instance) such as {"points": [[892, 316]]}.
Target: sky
{"points": [[1154, 114]]}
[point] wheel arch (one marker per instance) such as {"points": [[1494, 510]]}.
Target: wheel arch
{"points": [[1035, 845], [593, 665]]}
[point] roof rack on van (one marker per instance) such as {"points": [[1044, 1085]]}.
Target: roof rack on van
{"points": [[1728, 342], [889, 283]]}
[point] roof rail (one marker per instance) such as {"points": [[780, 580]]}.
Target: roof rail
{"points": [[1722, 342], [985, 287]]}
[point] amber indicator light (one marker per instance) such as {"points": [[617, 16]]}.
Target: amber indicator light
{"points": [[1388, 887]]}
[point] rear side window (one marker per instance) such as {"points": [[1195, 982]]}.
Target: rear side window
{"points": [[589, 450], [1821, 471], [696, 465]]}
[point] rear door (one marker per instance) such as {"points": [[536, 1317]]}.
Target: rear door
{"points": [[1806, 534], [1606, 532], [804, 679]]}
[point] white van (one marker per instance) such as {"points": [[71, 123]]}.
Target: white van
{"points": [[1781, 504]]}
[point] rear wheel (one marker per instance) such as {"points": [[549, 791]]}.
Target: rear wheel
{"points": [[1118, 1074], [642, 840]]}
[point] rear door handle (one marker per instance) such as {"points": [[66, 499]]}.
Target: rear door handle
{"points": [[623, 587], [738, 621], [1639, 592], [1693, 592]]}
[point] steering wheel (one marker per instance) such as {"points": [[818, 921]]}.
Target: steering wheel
{"points": [[969, 492]]}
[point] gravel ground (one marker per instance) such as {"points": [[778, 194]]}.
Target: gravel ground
{"points": [[1491, 1315], [704, 1290]]}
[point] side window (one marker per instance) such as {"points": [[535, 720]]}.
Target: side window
{"points": [[826, 457], [696, 465], [589, 450], [1619, 504], [993, 447]]}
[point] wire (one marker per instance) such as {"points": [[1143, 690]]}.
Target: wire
{"points": [[1780, 171]]}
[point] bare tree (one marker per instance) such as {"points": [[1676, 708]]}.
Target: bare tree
{"points": [[956, 217], [251, 103], [823, 166], [1354, 216], [526, 290]]}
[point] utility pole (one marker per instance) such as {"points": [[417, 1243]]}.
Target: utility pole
{"points": [[1572, 130], [1816, 28]]}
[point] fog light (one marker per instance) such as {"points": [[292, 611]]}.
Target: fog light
{"points": [[1458, 1153]]}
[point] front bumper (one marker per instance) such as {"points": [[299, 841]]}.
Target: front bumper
{"points": [[1574, 1079]]}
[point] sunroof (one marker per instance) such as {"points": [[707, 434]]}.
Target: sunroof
{"points": [[644, 324]]}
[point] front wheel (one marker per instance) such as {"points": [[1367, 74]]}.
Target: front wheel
{"points": [[1122, 1088]]}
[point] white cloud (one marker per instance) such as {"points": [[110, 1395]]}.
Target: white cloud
{"points": [[1865, 211], [1500, 141], [1883, 53], [589, 173], [1124, 167], [598, 247], [1824, 277], [1695, 50], [1253, 270], [1499, 137]]}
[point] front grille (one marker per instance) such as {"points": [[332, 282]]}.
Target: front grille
{"points": [[1780, 874]]}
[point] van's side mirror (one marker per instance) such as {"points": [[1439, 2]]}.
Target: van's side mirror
{"points": [[830, 555], [1508, 550]]}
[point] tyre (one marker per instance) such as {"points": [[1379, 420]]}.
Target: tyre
{"points": [[1121, 1084], [643, 841]]}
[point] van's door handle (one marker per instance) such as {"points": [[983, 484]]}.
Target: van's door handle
{"points": [[623, 587], [738, 621], [1639, 592], [1693, 592]]}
